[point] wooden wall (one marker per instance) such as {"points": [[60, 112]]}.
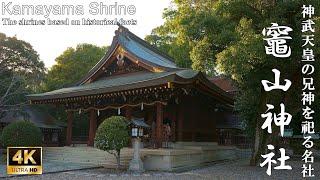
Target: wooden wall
{"points": [[195, 121]]}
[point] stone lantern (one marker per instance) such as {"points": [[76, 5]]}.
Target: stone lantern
{"points": [[137, 127]]}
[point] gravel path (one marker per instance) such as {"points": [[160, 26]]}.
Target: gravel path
{"points": [[228, 170]]}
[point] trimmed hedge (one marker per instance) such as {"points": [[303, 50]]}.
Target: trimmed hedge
{"points": [[21, 133], [112, 134]]}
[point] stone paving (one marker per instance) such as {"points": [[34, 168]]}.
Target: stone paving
{"points": [[53, 167], [228, 170]]}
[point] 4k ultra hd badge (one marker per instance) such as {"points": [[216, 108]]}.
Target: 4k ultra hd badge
{"points": [[24, 160]]}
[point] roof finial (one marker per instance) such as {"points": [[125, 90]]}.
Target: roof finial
{"points": [[121, 28]]}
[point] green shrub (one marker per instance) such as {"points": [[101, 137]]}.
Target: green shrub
{"points": [[112, 135], [21, 133]]}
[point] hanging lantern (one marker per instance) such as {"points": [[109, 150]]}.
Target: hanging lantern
{"points": [[119, 111], [79, 111], [98, 112], [141, 106]]}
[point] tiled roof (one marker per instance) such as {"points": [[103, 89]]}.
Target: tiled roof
{"points": [[224, 83], [136, 46], [149, 56], [30, 113], [138, 122], [119, 83], [145, 51]]}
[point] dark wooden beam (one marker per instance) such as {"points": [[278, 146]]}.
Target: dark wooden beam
{"points": [[174, 123], [128, 112], [92, 127], [159, 122], [180, 117], [69, 128]]}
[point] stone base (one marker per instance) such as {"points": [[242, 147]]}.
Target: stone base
{"points": [[186, 155], [136, 165], [181, 156]]}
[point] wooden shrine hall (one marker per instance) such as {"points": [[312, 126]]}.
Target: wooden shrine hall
{"points": [[134, 79]]}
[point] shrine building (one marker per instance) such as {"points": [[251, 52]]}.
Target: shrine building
{"points": [[136, 80]]}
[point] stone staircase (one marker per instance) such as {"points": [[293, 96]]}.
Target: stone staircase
{"points": [[85, 155]]}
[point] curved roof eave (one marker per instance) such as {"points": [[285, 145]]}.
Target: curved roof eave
{"points": [[95, 68], [122, 31]]}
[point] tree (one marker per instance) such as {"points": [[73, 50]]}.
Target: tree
{"points": [[21, 72], [178, 50], [224, 37], [246, 62], [113, 135], [72, 65], [193, 34]]}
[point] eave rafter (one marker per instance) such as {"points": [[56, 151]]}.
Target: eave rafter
{"points": [[161, 92]]}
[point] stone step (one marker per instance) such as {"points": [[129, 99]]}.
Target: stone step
{"points": [[196, 143], [85, 155], [91, 158], [92, 161], [86, 158], [77, 150], [191, 155]]}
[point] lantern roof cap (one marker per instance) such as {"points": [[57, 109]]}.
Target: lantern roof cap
{"points": [[139, 122]]}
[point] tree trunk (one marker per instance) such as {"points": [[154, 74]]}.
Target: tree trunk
{"points": [[118, 160], [259, 133], [259, 145]]}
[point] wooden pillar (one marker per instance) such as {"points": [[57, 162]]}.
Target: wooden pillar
{"points": [[128, 112], [174, 124], [180, 115], [69, 128], [128, 115], [159, 121], [92, 127], [149, 116]]}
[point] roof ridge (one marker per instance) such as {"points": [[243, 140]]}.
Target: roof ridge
{"points": [[124, 32], [102, 60], [145, 43]]}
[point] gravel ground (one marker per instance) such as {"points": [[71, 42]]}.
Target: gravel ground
{"points": [[227, 170]]}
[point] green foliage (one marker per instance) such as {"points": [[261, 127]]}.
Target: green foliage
{"points": [[21, 71], [178, 51], [246, 62], [21, 133], [193, 33], [202, 57], [72, 65], [112, 134], [224, 37]]}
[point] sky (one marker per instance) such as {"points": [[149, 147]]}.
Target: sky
{"points": [[51, 41]]}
